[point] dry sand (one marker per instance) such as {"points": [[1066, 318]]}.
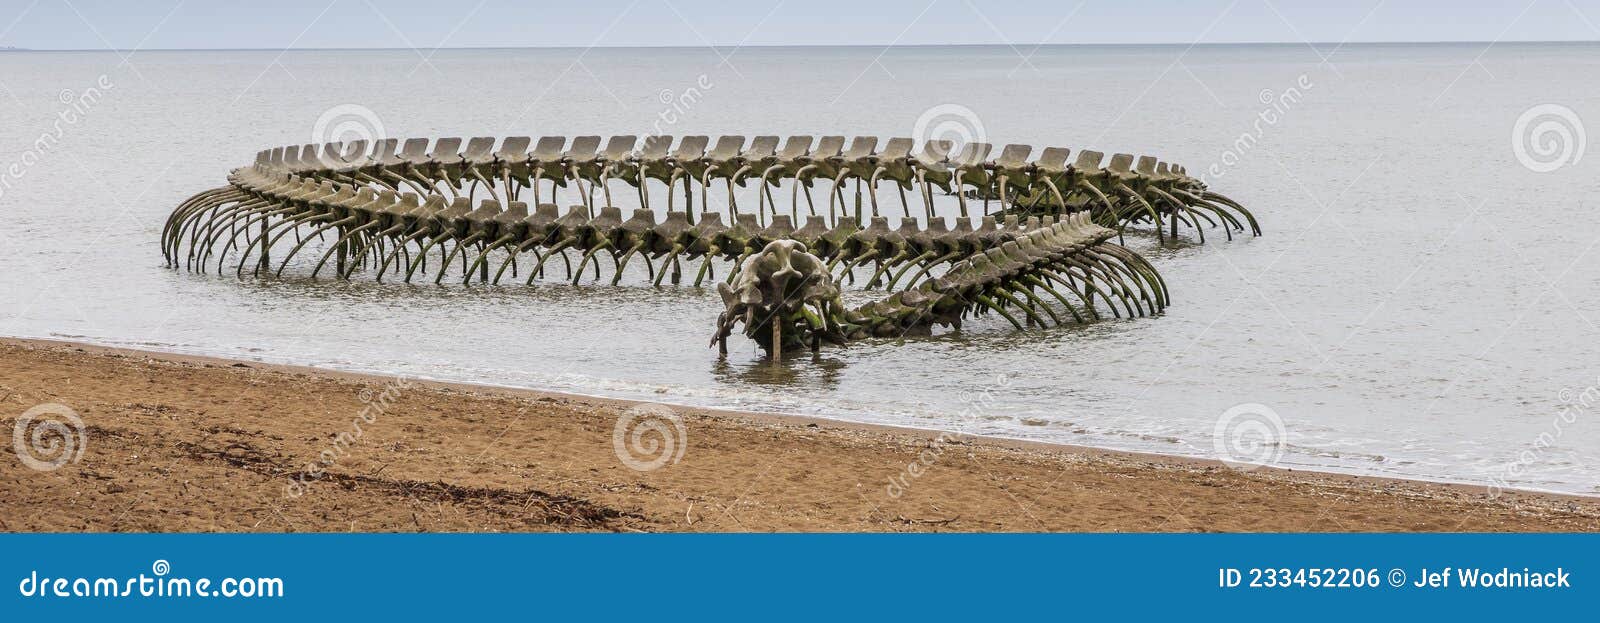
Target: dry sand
{"points": [[177, 443]]}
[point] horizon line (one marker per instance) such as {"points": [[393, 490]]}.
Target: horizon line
{"points": [[820, 45]]}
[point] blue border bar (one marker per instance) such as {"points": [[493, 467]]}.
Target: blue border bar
{"points": [[799, 577]]}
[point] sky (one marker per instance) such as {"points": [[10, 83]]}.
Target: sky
{"points": [[279, 24]]}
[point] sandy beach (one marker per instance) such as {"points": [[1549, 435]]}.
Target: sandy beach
{"points": [[180, 443]]}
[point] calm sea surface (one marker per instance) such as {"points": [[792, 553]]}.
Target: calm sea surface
{"points": [[1421, 305]]}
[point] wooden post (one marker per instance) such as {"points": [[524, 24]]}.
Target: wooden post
{"points": [[343, 250], [688, 200], [858, 200], [777, 341], [266, 259]]}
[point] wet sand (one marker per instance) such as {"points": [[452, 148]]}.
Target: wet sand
{"points": [[181, 443]]}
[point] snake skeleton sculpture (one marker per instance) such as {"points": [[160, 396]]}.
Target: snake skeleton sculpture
{"points": [[1043, 255]]}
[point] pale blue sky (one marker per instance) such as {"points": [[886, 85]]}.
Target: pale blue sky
{"points": [[165, 24]]}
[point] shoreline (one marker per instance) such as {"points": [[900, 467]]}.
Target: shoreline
{"points": [[868, 458], [772, 416]]}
